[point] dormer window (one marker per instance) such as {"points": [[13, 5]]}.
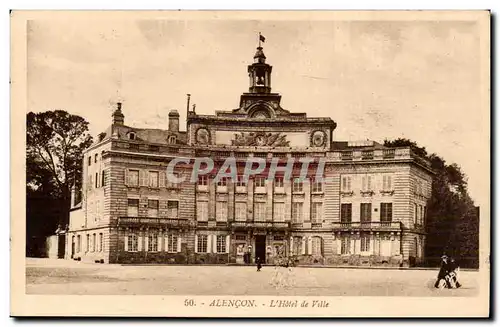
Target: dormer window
{"points": [[131, 136], [172, 139]]}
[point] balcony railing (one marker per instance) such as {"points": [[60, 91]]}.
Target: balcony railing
{"points": [[260, 224], [393, 225], [150, 221]]}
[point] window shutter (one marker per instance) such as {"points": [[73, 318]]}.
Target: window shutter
{"points": [[166, 243], [126, 177], [309, 245], [369, 182], [126, 243], [214, 243], [209, 243], [139, 241], [143, 176], [303, 245], [196, 244], [179, 244], [146, 242], [160, 247], [228, 239], [339, 245], [162, 179], [291, 245]]}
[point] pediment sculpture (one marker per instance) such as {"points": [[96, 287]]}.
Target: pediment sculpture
{"points": [[260, 139]]}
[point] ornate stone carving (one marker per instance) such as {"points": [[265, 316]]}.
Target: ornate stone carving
{"points": [[318, 138], [260, 139], [202, 136]]}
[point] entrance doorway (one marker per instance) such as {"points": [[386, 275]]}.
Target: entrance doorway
{"points": [[260, 247]]}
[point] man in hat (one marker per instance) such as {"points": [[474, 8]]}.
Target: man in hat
{"points": [[443, 272]]}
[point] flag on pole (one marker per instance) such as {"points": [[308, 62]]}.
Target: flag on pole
{"points": [[262, 38]]}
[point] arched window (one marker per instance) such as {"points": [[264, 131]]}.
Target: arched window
{"points": [[317, 246], [172, 139]]}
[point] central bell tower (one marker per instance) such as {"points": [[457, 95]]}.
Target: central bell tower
{"points": [[259, 101], [260, 73]]}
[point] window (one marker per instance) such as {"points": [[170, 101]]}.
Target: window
{"points": [[316, 245], [415, 215], [279, 211], [424, 218], [203, 180], [260, 211], [298, 185], [366, 182], [202, 243], [133, 242], [240, 211], [87, 246], [387, 183], [345, 212], [316, 212], [93, 242], [133, 178], [366, 212], [133, 208], [153, 208], [365, 243], [260, 182], [279, 182], [95, 157], [172, 243], [78, 243], [317, 186], [297, 212], [153, 242], [96, 180], [221, 244], [421, 216], [131, 136], [103, 178], [386, 212], [241, 182], [172, 183], [346, 184], [202, 211], [221, 211], [172, 139], [345, 245], [101, 242], [173, 209], [90, 160], [153, 179], [297, 245], [222, 181]]}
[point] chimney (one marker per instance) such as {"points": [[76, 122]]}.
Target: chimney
{"points": [[118, 117], [173, 121]]}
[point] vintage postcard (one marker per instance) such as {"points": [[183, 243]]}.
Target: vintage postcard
{"points": [[250, 163]]}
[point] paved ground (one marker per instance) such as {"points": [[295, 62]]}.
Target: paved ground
{"points": [[45, 276]]}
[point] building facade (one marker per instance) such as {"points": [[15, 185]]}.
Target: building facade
{"points": [[367, 208]]}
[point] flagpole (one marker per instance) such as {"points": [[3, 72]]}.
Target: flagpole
{"points": [[259, 41]]}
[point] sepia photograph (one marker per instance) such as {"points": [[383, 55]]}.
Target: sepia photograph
{"points": [[250, 163]]}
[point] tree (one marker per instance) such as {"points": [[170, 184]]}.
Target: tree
{"points": [[452, 223], [55, 141]]}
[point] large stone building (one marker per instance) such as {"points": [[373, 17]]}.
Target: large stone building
{"points": [[369, 209]]}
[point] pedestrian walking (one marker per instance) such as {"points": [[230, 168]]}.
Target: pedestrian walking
{"points": [[259, 263], [442, 280]]}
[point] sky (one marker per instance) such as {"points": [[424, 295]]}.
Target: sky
{"points": [[376, 79]]}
